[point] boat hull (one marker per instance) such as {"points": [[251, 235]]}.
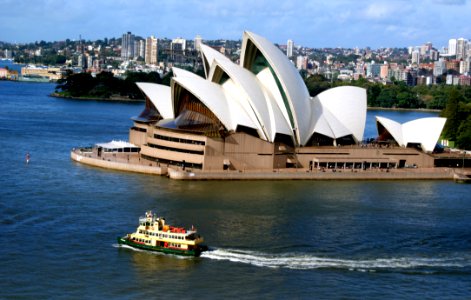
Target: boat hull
{"points": [[197, 252]]}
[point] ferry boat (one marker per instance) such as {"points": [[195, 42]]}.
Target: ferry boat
{"points": [[154, 235]]}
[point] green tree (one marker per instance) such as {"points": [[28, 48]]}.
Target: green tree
{"points": [[373, 93], [78, 84], [463, 139], [451, 112], [316, 84], [166, 79], [387, 98]]}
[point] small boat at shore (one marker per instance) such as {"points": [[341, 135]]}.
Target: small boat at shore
{"points": [[154, 235]]}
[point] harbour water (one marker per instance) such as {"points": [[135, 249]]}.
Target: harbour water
{"points": [[272, 240]]}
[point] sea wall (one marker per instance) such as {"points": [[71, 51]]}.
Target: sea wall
{"points": [[114, 165], [412, 174]]}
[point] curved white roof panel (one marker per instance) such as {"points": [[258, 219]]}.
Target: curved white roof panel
{"points": [[424, 131], [251, 96], [208, 55], [240, 113], [177, 72], [394, 128], [210, 94], [293, 88], [160, 96], [342, 110]]}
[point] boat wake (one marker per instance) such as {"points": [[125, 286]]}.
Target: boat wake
{"points": [[301, 261]]}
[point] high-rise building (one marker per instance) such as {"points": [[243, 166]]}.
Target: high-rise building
{"points": [[289, 48], [135, 51], [429, 46], [301, 62], [89, 61], [142, 48], [127, 46], [433, 54], [415, 57], [151, 50], [81, 61], [439, 67], [198, 41], [452, 47], [177, 47], [461, 47], [178, 44], [465, 66], [423, 49], [8, 54], [384, 71]]}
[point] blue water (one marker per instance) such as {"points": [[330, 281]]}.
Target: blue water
{"points": [[12, 66], [296, 239]]}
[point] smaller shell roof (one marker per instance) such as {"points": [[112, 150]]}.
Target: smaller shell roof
{"points": [[160, 96], [339, 112], [424, 131]]}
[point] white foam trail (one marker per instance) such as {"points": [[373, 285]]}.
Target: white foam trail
{"points": [[128, 247], [307, 261]]}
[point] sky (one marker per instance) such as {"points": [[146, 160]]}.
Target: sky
{"points": [[310, 23]]}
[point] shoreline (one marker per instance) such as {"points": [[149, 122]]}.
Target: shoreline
{"points": [[124, 99], [111, 99], [404, 109], [176, 173]]}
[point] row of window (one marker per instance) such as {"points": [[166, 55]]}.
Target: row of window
{"points": [[175, 149], [178, 140], [161, 235], [127, 149], [141, 240], [172, 162], [139, 129]]}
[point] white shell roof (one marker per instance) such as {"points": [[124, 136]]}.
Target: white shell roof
{"points": [[256, 101], [339, 112], [394, 128], [291, 81], [250, 94], [424, 131], [213, 96], [210, 55], [160, 96], [177, 72]]}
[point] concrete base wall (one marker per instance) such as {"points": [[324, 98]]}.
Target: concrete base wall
{"points": [[302, 174], [120, 166]]}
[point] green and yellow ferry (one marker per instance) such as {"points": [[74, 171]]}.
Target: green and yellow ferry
{"points": [[154, 235]]}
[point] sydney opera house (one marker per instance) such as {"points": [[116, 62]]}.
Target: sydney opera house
{"points": [[259, 115]]}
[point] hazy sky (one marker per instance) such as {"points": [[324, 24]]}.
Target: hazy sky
{"points": [[312, 23]]}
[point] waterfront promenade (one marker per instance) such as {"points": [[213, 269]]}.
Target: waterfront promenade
{"points": [[133, 163]]}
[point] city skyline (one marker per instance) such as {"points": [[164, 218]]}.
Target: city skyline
{"points": [[343, 23]]}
